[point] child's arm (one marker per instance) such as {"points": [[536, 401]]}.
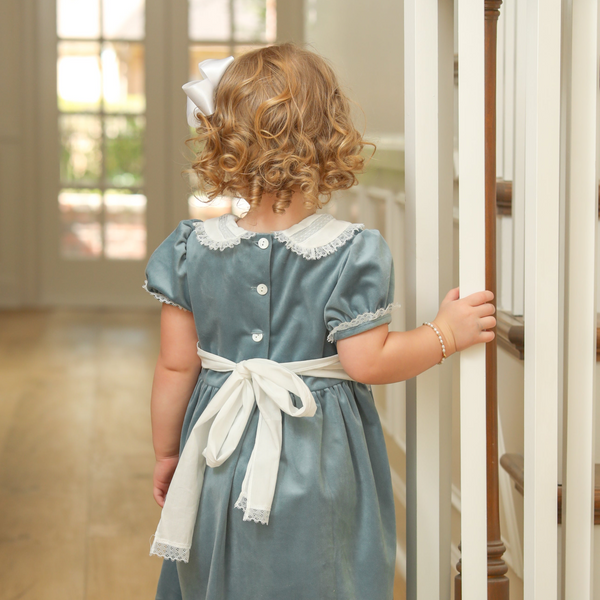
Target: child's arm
{"points": [[379, 356], [175, 376]]}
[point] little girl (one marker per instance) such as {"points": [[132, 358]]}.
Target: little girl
{"points": [[271, 466]]}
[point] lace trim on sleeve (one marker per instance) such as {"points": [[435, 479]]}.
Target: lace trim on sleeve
{"points": [[213, 244], [162, 298], [319, 251], [361, 319]]}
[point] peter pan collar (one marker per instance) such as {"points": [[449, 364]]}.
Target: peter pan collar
{"points": [[314, 237]]}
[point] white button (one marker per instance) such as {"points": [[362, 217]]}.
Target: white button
{"points": [[263, 243], [262, 289], [257, 337]]}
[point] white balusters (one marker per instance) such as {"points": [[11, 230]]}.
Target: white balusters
{"points": [[472, 279], [518, 189], [541, 309], [582, 199], [394, 234], [428, 167]]}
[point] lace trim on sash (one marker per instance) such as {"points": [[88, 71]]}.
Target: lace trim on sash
{"points": [[213, 244], [252, 514], [319, 251], [162, 298], [360, 320], [169, 551]]}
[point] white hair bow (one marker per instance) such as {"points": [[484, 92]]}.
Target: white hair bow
{"points": [[201, 94]]}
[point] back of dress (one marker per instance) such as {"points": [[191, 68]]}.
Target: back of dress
{"points": [[286, 296]]}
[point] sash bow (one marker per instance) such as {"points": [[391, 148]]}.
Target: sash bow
{"points": [[258, 382]]}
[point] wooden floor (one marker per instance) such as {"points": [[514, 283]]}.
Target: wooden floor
{"points": [[76, 458]]}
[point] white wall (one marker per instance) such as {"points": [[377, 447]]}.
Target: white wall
{"points": [[364, 42], [18, 228]]}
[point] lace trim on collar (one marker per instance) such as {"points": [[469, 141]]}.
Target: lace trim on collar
{"points": [[319, 251], [315, 237], [228, 241]]}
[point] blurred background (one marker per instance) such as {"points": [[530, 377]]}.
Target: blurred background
{"points": [[92, 148], [93, 125]]}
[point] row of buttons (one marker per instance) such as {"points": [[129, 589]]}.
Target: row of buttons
{"points": [[262, 289]]}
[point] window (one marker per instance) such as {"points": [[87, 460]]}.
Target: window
{"points": [[217, 29], [101, 101]]}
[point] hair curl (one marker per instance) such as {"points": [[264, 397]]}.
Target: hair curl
{"points": [[281, 123]]}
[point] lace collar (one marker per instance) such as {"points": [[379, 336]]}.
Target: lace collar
{"points": [[314, 237]]}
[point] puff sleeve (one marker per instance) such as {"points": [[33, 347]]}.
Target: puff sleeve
{"points": [[363, 295], [166, 271]]}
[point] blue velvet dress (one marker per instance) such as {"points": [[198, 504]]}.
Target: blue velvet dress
{"points": [[287, 296]]}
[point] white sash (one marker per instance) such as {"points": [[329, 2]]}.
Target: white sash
{"points": [[218, 431]]}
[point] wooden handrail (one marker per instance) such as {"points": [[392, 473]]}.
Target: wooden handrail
{"points": [[513, 464], [510, 331], [504, 197]]}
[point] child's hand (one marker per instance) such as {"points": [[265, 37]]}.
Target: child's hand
{"points": [[163, 473], [463, 322]]}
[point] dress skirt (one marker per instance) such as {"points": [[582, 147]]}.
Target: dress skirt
{"points": [[331, 533]]}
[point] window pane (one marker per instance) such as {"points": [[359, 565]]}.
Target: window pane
{"points": [[78, 74], [124, 151], [254, 20], [123, 77], [80, 223], [123, 19], [78, 18], [209, 20], [125, 225], [80, 149], [199, 53]]}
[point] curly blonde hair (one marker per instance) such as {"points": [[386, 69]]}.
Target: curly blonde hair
{"points": [[281, 123]]}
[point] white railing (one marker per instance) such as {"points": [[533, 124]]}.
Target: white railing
{"points": [[547, 98]]}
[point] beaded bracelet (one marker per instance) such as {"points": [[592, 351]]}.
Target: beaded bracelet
{"points": [[437, 331]]}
